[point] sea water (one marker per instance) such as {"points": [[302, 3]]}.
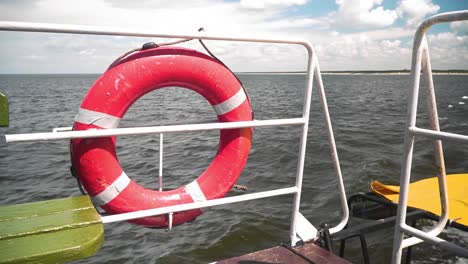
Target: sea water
{"points": [[368, 116]]}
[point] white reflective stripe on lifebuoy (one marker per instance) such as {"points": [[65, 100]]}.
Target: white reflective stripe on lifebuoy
{"points": [[112, 190], [195, 192], [99, 119], [231, 103]]}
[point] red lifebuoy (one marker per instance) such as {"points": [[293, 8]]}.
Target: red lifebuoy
{"points": [[95, 159]]}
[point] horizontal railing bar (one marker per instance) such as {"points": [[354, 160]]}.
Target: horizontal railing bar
{"points": [[172, 123], [410, 241], [379, 224], [427, 237], [114, 31], [438, 134], [196, 205], [148, 130]]}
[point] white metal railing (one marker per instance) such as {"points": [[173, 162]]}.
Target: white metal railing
{"points": [[161, 149], [297, 220], [421, 61], [46, 136]]}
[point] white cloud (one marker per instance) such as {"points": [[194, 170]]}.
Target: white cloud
{"points": [[387, 33], [461, 27], [87, 52], [215, 16], [370, 50], [448, 50], [378, 48], [416, 10], [34, 57], [390, 44], [363, 14], [157, 4], [171, 17], [295, 23], [448, 39], [265, 4]]}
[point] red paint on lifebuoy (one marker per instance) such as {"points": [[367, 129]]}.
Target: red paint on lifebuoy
{"points": [[95, 160]]}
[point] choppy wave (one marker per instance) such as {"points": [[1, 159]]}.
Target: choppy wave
{"points": [[368, 115]]}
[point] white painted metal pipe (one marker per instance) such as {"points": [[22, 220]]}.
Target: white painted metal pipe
{"points": [[421, 60], [161, 138], [302, 145], [148, 130], [334, 155], [438, 150], [432, 238], [197, 205], [114, 31], [93, 30], [438, 134], [169, 227]]}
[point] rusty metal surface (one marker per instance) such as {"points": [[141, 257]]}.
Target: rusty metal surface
{"points": [[283, 255]]}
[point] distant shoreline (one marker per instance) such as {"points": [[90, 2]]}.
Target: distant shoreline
{"points": [[391, 72]]}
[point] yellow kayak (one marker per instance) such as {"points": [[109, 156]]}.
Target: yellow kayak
{"points": [[424, 194]]}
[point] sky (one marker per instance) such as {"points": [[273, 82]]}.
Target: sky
{"points": [[347, 34]]}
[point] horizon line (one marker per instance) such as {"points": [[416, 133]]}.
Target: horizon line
{"points": [[266, 72]]}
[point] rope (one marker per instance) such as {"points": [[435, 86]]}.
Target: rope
{"points": [[148, 45], [123, 56], [222, 63]]}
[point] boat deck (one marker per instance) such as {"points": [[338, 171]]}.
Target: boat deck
{"points": [[308, 253]]}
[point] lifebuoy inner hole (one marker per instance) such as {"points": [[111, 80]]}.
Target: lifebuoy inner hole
{"points": [[186, 154]]}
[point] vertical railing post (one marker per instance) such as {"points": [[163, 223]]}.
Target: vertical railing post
{"points": [[313, 71], [334, 153], [302, 151], [421, 61], [170, 220], [161, 137], [438, 149], [409, 145]]}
